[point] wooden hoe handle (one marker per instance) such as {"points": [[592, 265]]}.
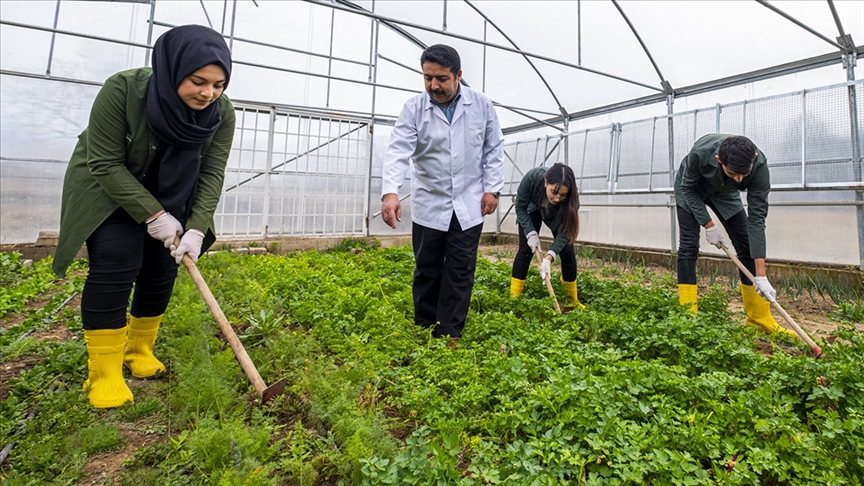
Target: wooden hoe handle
{"points": [[249, 368], [548, 283], [776, 306]]}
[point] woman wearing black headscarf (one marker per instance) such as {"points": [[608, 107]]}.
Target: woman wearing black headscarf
{"points": [[148, 169]]}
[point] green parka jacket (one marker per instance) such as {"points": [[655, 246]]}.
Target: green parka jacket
{"points": [[700, 178], [115, 152], [529, 198]]}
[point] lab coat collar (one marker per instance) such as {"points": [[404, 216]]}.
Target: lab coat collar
{"points": [[464, 99]]}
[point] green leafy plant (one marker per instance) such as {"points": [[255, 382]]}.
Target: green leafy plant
{"points": [[264, 328], [852, 311], [634, 389]]}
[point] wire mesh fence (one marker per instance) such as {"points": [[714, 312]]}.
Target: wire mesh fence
{"points": [[807, 137], [294, 174], [811, 139]]}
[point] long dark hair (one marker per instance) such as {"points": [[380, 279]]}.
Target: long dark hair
{"points": [[568, 210]]}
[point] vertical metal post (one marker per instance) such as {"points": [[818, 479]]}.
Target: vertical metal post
{"points": [[857, 165], [367, 200], [53, 36], [252, 169], [515, 155], [546, 153], [579, 32], [651, 159], [265, 217], [371, 138], [566, 140], [150, 33], [804, 139], [330, 57], [233, 19], [673, 226], [375, 67], [536, 151], [371, 46], [444, 21], [695, 124], [717, 111], [484, 56], [611, 161], [584, 151], [224, 13]]}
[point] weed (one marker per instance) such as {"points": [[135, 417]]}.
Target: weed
{"points": [[851, 311], [264, 328]]}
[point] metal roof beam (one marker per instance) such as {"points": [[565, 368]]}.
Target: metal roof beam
{"points": [[727, 82], [417, 71], [365, 13], [276, 46], [836, 18], [530, 62], [354, 8], [800, 24], [666, 85]]}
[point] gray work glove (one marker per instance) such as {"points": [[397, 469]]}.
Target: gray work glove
{"points": [[715, 237], [189, 244], [533, 241], [764, 288], [165, 228]]}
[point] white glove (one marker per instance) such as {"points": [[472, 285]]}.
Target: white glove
{"points": [[533, 241], [189, 244], [545, 269], [715, 237], [165, 228], [764, 288]]}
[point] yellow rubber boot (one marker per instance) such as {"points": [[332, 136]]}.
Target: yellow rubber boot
{"points": [[759, 312], [516, 287], [139, 347], [689, 294], [105, 364], [572, 292]]}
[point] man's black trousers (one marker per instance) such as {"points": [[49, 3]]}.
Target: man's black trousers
{"points": [[444, 276], [688, 243]]}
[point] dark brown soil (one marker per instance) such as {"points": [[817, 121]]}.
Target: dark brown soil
{"points": [[102, 469]]}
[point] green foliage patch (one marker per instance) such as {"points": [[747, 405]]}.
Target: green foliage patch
{"points": [[632, 390]]}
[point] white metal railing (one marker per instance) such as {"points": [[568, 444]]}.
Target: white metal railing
{"points": [[294, 174]]}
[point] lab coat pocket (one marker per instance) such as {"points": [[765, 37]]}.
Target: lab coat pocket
{"points": [[476, 133]]}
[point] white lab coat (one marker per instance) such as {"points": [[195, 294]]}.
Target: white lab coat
{"points": [[454, 163]]}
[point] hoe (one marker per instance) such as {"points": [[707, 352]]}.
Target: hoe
{"points": [[264, 392], [774, 305]]}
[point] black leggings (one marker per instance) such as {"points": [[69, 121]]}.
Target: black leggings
{"points": [[525, 255], [688, 243], [121, 254]]}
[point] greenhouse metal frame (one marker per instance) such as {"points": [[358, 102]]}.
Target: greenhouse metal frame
{"points": [[306, 170]]}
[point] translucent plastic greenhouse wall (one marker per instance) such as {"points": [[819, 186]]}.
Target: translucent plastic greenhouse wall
{"points": [[625, 172], [308, 152], [301, 174]]}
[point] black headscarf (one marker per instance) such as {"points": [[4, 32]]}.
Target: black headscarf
{"points": [[176, 54]]}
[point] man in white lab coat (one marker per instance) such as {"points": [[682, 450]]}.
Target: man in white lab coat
{"points": [[452, 134]]}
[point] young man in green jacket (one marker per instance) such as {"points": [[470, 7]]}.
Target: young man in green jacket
{"points": [[712, 175]]}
